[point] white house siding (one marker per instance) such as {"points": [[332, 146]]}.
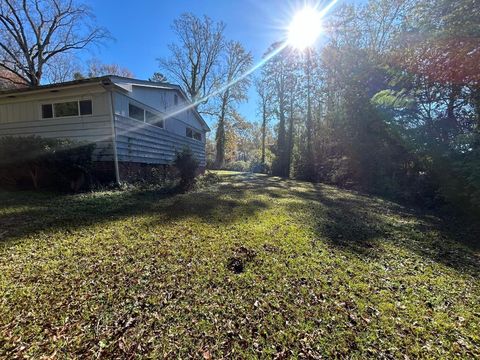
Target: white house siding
{"points": [[146, 143], [20, 117], [136, 141]]}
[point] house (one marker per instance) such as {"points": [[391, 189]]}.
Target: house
{"points": [[135, 124]]}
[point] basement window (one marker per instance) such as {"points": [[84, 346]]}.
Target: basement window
{"points": [[191, 133]]}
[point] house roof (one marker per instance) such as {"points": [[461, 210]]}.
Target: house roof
{"points": [[105, 81], [54, 86]]}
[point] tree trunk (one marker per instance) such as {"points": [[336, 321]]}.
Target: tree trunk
{"points": [[264, 132], [309, 171], [290, 136], [220, 138], [450, 124], [281, 141], [476, 104], [34, 176]]}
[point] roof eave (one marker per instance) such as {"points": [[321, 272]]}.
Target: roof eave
{"points": [[49, 87]]}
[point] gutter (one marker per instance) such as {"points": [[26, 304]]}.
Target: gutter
{"points": [[114, 141]]}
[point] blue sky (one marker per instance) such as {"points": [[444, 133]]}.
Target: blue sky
{"points": [[142, 30]]}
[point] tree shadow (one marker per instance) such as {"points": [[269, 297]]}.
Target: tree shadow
{"points": [[346, 220], [23, 214], [359, 223]]}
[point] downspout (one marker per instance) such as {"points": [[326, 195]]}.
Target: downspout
{"points": [[114, 140]]}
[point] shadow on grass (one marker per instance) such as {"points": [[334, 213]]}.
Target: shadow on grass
{"points": [[27, 213], [345, 220], [360, 224]]}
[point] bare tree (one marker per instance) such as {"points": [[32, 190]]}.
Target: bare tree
{"points": [[158, 77], [62, 69], [34, 33], [264, 99], [96, 68], [237, 63], [193, 60], [277, 74]]}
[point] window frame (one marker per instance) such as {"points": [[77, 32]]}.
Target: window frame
{"points": [[80, 109], [161, 121], [52, 104], [51, 111], [194, 132], [57, 104], [130, 104], [155, 113]]}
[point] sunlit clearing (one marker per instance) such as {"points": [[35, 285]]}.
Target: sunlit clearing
{"points": [[305, 28]]}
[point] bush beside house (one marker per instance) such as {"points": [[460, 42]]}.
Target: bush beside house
{"points": [[32, 162], [187, 167]]}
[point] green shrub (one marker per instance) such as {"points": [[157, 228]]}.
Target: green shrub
{"points": [[34, 162], [258, 167], [208, 179], [242, 166], [187, 166], [459, 181], [210, 164]]}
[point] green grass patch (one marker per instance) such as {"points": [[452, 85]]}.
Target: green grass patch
{"points": [[250, 267]]}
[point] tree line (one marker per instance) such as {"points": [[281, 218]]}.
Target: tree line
{"points": [[389, 103]]}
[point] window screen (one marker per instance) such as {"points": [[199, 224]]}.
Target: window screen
{"points": [[66, 109], [47, 111], [135, 112], [85, 107]]}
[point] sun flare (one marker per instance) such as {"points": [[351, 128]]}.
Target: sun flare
{"points": [[305, 28]]}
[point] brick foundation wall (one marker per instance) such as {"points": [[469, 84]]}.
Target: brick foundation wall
{"points": [[131, 172]]}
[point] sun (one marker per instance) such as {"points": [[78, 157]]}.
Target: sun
{"points": [[305, 28]]}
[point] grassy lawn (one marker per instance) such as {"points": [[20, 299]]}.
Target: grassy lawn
{"points": [[250, 267]]}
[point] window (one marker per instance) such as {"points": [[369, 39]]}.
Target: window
{"points": [[175, 99], [47, 111], [135, 112], [153, 119], [197, 136], [85, 107], [193, 134], [68, 108]]}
